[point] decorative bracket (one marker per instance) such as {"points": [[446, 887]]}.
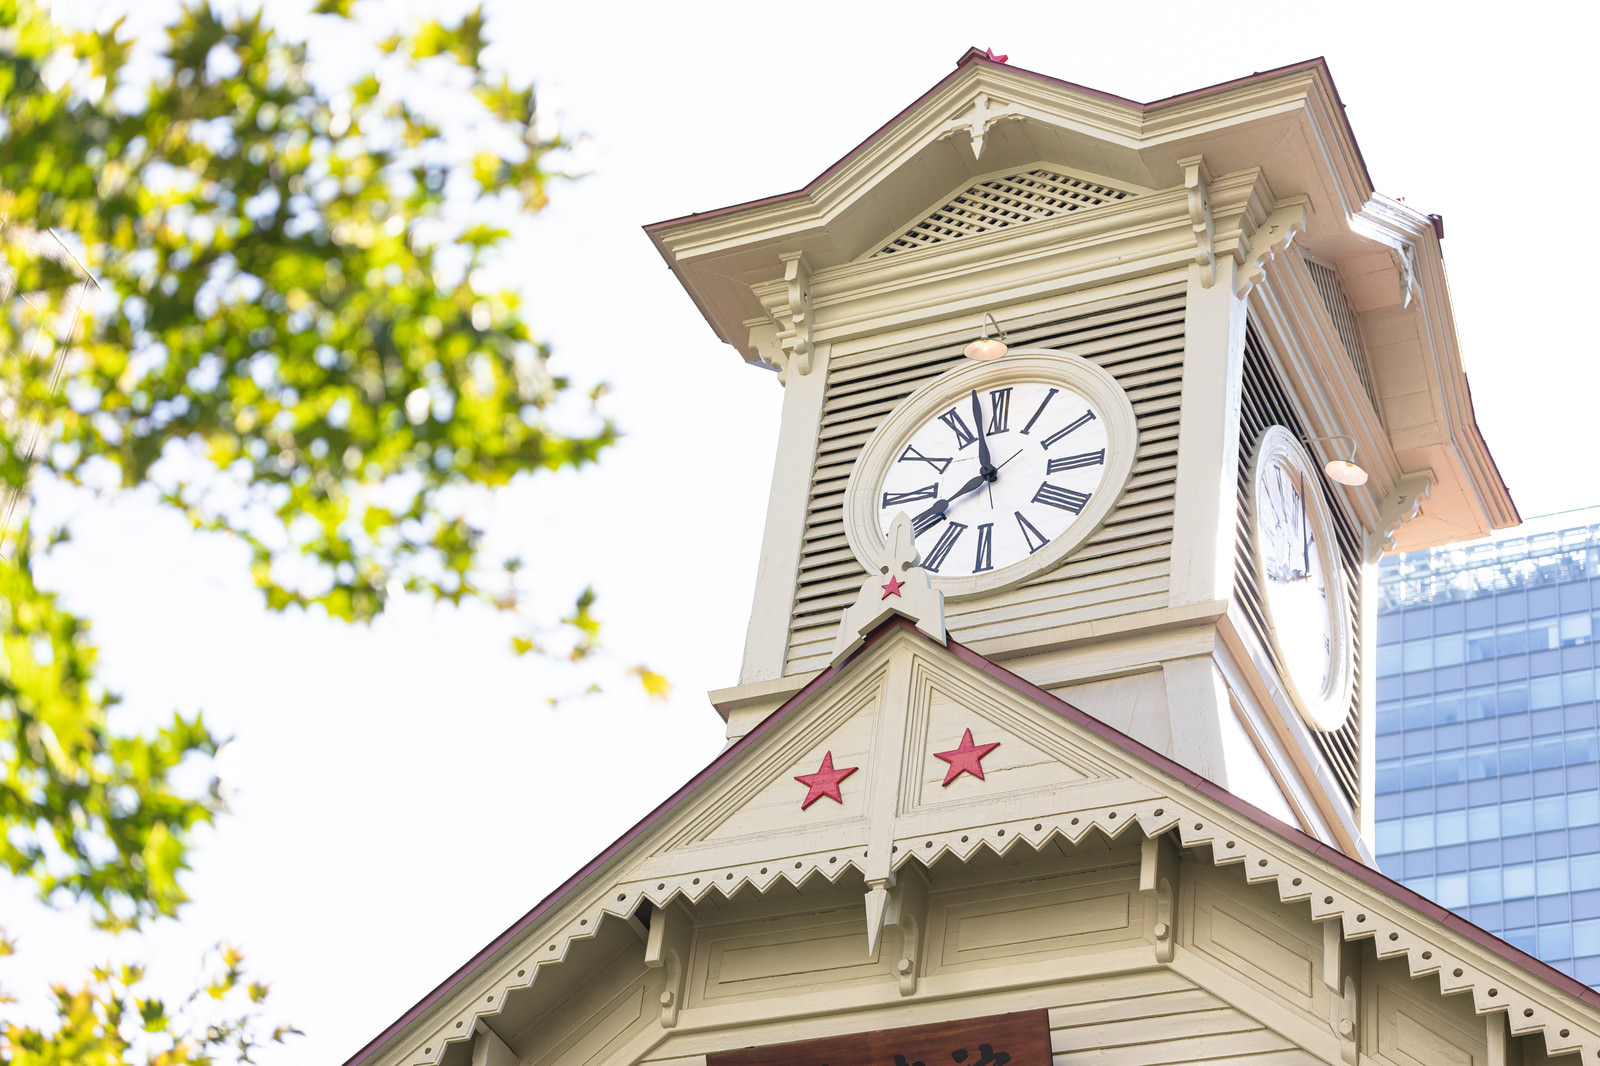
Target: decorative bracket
{"points": [[1338, 962], [900, 903], [1158, 874], [1407, 254], [1270, 238], [1401, 505], [795, 330], [1196, 179], [671, 931], [488, 1049], [978, 118], [1496, 1038], [895, 585], [763, 341]]}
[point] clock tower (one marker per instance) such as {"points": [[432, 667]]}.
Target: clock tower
{"points": [[1051, 745], [1207, 304]]}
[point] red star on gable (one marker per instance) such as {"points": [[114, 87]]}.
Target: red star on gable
{"points": [[967, 759], [893, 587], [825, 782]]}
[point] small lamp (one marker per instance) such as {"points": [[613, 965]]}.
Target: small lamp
{"points": [[986, 348], [1344, 471]]}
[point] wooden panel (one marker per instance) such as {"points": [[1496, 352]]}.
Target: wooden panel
{"points": [[1139, 339], [1070, 915], [1244, 928], [1407, 1024], [606, 1027], [800, 951], [1174, 1025], [1021, 1039]]}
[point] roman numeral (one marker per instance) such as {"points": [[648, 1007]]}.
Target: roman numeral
{"points": [[985, 548], [1035, 539], [947, 540], [1074, 462], [1042, 405], [924, 522], [911, 455], [1056, 496], [999, 410], [964, 436], [895, 499], [1079, 423]]}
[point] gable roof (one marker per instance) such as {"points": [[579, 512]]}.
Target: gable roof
{"points": [[1403, 924], [916, 159]]}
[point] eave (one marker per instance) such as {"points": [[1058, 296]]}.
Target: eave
{"points": [[1335, 887], [923, 153]]}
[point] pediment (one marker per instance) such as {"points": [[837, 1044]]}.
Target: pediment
{"points": [[988, 120], [1079, 866], [1014, 198]]}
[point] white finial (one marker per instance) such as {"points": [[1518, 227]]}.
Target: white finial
{"points": [[896, 584]]}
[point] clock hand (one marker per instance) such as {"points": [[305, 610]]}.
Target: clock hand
{"points": [[985, 466], [1305, 533], [936, 512]]}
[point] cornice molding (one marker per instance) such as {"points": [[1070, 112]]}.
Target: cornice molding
{"points": [[1288, 120]]}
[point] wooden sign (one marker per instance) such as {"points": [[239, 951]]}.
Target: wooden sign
{"points": [[1021, 1039]]}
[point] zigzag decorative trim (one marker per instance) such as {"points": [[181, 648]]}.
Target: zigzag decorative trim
{"points": [[1394, 934]]}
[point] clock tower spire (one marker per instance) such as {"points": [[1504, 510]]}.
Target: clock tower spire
{"points": [[1206, 304]]}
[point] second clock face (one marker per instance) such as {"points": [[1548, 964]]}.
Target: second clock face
{"points": [[996, 475], [1298, 561]]}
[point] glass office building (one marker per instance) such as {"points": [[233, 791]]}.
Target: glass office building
{"points": [[1488, 784]]}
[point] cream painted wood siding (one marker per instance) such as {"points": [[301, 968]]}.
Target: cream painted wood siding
{"points": [[1124, 566]]}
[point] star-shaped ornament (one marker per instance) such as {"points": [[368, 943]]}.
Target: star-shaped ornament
{"points": [[825, 782], [967, 759], [893, 587]]}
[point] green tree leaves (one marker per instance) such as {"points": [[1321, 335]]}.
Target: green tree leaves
{"points": [[269, 296]]}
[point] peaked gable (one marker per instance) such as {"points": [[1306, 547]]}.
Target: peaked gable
{"points": [[1065, 788], [987, 118], [1010, 199]]}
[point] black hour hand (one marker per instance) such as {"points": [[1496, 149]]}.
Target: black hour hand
{"points": [[935, 514]]}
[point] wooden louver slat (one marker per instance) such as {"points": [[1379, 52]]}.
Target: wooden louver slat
{"points": [[1138, 339]]}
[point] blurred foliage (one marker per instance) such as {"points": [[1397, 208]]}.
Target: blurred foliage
{"points": [[89, 813], [111, 1021], [276, 295]]}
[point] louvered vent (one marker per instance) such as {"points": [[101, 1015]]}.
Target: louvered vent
{"points": [[1125, 566], [1000, 202], [1267, 404], [1326, 279]]}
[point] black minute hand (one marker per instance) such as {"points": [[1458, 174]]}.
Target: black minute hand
{"points": [[985, 467]]}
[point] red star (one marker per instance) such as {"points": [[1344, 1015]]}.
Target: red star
{"points": [[893, 587], [966, 759], [825, 782]]}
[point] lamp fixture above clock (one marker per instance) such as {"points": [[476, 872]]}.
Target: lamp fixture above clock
{"points": [[986, 348], [1344, 471]]}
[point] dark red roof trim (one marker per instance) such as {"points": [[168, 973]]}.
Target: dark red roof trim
{"points": [[1334, 857]]}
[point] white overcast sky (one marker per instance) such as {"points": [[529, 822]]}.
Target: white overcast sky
{"points": [[402, 792]]}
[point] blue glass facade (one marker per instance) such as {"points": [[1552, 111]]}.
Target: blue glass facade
{"points": [[1488, 757]]}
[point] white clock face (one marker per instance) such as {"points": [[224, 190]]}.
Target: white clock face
{"points": [[996, 475], [1297, 560], [1295, 575]]}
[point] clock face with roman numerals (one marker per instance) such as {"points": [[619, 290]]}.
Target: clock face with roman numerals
{"points": [[1001, 468]]}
